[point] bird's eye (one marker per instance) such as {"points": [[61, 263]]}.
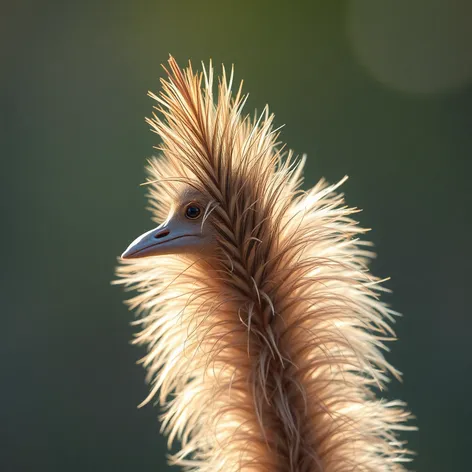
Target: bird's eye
{"points": [[192, 211]]}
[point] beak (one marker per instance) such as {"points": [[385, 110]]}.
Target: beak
{"points": [[168, 238]]}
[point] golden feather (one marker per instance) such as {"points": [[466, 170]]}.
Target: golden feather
{"points": [[267, 352]]}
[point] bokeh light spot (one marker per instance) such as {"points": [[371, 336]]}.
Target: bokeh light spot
{"points": [[420, 46]]}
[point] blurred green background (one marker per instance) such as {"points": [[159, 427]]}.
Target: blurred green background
{"points": [[380, 91]]}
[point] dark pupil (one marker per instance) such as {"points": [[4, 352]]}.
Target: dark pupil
{"points": [[192, 211]]}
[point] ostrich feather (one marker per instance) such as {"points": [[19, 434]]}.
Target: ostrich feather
{"points": [[267, 354]]}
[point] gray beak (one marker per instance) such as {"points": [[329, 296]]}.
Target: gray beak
{"points": [[147, 243], [172, 237]]}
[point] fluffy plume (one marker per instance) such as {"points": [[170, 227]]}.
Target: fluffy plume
{"points": [[267, 356]]}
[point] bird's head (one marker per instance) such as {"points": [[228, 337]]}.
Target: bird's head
{"points": [[186, 229]]}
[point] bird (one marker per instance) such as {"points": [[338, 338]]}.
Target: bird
{"points": [[263, 326]]}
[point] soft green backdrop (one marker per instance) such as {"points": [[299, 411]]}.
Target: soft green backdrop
{"points": [[380, 91]]}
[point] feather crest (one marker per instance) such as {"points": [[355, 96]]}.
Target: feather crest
{"points": [[265, 360]]}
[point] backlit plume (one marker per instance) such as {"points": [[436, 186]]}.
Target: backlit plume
{"points": [[262, 325]]}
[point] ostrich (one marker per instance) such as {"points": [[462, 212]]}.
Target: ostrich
{"points": [[263, 326]]}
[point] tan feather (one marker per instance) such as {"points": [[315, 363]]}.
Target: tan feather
{"points": [[265, 356]]}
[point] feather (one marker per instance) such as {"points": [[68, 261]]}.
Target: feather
{"points": [[267, 355]]}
